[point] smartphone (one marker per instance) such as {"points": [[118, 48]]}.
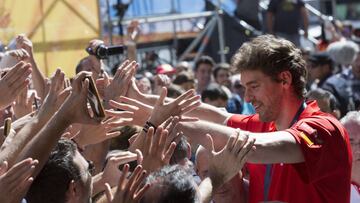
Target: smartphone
{"points": [[7, 126], [94, 100]]}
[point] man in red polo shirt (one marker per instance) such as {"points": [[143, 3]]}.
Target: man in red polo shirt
{"points": [[302, 154]]}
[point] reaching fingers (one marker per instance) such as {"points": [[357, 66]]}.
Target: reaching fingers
{"points": [[191, 107], [22, 75], [141, 192], [112, 134], [120, 68], [79, 78], [231, 141], [21, 171], [162, 97], [166, 123], [135, 186], [169, 152], [210, 144], [172, 124], [122, 106], [133, 177], [239, 143], [123, 160], [155, 146], [13, 72], [244, 152], [139, 156], [108, 192], [160, 142], [117, 122], [123, 178], [148, 141], [184, 96]]}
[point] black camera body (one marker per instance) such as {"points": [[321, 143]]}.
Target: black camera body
{"points": [[103, 52]]}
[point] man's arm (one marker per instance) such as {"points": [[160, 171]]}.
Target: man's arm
{"points": [[73, 110], [272, 147], [37, 77], [203, 112], [34, 125]]}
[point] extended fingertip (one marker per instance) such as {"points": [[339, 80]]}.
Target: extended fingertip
{"points": [[35, 162]]}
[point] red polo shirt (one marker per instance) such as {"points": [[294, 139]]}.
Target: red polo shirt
{"points": [[325, 174]]}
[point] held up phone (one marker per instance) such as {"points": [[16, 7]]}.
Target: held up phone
{"points": [[94, 100], [7, 126]]}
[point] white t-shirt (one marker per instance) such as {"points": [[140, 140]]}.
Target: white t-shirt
{"points": [[354, 194]]}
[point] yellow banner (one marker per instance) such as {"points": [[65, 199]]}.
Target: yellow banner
{"points": [[59, 29]]}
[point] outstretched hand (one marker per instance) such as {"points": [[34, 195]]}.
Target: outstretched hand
{"points": [[15, 80], [15, 182], [94, 134], [111, 173], [226, 163], [119, 85], [179, 106], [55, 97], [128, 191], [23, 105], [75, 107], [136, 112], [155, 153]]}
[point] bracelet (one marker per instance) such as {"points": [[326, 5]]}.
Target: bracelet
{"points": [[147, 125]]}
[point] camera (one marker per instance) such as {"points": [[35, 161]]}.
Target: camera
{"points": [[103, 52]]}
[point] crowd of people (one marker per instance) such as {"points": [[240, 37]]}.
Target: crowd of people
{"points": [[278, 124]]}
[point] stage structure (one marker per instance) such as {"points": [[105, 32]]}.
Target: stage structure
{"points": [[59, 29]]}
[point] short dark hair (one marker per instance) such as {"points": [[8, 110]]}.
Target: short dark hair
{"points": [[177, 185], [213, 92], [272, 56], [79, 66], [221, 66], [53, 180], [204, 60], [173, 91], [319, 93], [180, 152]]}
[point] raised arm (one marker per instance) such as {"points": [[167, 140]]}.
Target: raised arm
{"points": [[272, 147], [37, 77], [33, 126], [73, 110]]}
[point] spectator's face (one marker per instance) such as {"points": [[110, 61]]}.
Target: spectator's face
{"points": [[356, 67], [92, 64], [203, 74], [144, 85], [84, 185], [223, 77], [265, 94], [317, 71], [237, 88]]}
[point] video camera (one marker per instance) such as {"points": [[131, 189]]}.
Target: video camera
{"points": [[103, 52]]}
